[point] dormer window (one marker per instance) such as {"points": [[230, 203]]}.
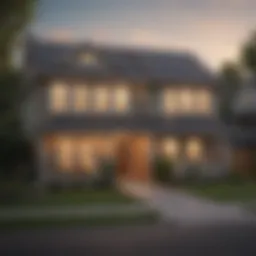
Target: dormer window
{"points": [[88, 59]]}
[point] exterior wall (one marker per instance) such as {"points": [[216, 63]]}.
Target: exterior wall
{"points": [[215, 161], [146, 117], [133, 149], [132, 152]]}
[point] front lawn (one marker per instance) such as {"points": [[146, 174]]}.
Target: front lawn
{"points": [[139, 218], [225, 192], [16, 195], [25, 208], [77, 198]]}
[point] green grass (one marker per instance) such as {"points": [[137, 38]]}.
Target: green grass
{"points": [[81, 197], [93, 221], [225, 192]]}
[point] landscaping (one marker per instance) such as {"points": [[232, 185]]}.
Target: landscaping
{"points": [[22, 206], [225, 191]]}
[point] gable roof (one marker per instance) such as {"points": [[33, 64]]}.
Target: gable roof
{"points": [[128, 63]]}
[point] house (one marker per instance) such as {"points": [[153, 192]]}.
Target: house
{"points": [[90, 102]]}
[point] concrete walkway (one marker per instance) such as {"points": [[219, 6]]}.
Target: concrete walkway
{"points": [[177, 206]]}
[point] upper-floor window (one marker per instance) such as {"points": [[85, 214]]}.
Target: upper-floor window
{"points": [[122, 99], [58, 97], [186, 101], [204, 101], [170, 98], [101, 99], [80, 98]]}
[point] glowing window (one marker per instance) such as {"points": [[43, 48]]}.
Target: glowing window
{"points": [[204, 101], [171, 147], [58, 97], [65, 153], [187, 100], [194, 149], [80, 98], [170, 103], [101, 99], [86, 156], [122, 99]]}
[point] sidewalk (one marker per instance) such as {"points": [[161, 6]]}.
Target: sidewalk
{"points": [[177, 206]]}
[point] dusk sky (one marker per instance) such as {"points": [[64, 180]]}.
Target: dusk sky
{"points": [[213, 29]]}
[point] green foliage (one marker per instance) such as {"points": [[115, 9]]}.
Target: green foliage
{"points": [[16, 158], [248, 53], [229, 84], [14, 16], [106, 174], [163, 170]]}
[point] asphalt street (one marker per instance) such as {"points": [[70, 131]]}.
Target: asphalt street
{"points": [[161, 239]]}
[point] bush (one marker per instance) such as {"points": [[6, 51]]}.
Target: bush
{"points": [[106, 174], [15, 192], [163, 170]]}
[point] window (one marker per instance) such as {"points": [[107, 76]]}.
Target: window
{"points": [[170, 101], [204, 101], [187, 100], [122, 99], [80, 98], [88, 59], [171, 148], [101, 99], [58, 97], [86, 156], [65, 153], [194, 149]]}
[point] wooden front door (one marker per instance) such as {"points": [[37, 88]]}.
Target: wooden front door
{"points": [[133, 158]]}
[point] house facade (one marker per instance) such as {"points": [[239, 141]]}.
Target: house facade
{"points": [[89, 102]]}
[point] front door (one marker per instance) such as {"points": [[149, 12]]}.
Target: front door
{"points": [[133, 158]]}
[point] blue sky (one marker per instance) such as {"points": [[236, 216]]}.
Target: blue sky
{"points": [[213, 29]]}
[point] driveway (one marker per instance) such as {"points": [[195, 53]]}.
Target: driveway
{"points": [[178, 206]]}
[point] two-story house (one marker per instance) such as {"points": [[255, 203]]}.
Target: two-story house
{"points": [[89, 101]]}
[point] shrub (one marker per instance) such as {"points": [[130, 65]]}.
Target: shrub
{"points": [[193, 174], [163, 170], [106, 174]]}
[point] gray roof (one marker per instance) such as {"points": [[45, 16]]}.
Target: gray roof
{"points": [[138, 64]]}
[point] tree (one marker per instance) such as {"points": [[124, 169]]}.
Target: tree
{"points": [[15, 150], [228, 85], [14, 16], [248, 54]]}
